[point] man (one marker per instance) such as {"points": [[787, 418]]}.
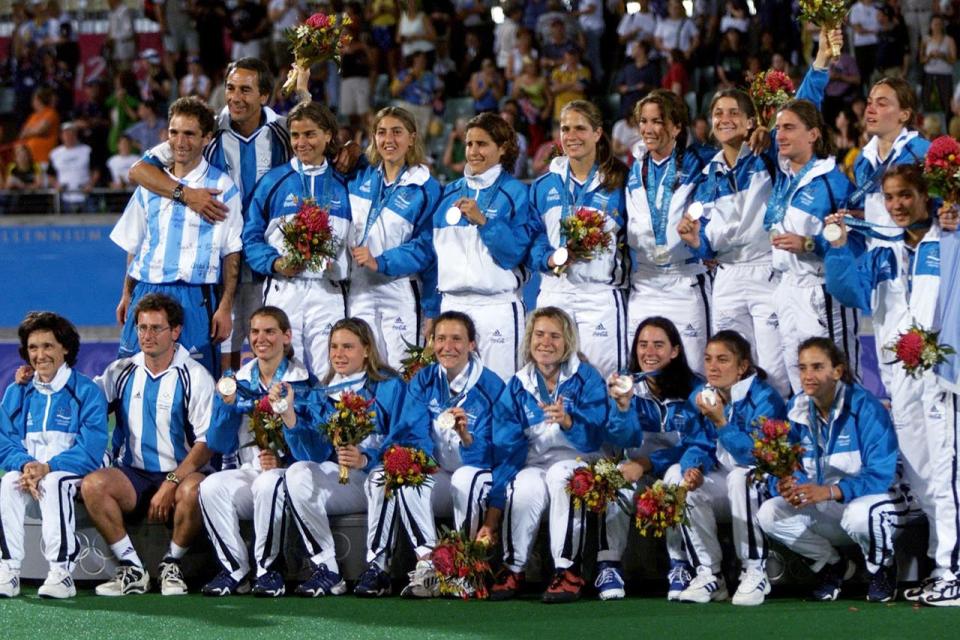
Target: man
{"points": [[71, 171], [150, 129], [172, 250], [162, 400]]}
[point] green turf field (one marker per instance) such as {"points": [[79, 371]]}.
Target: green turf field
{"points": [[347, 618]]}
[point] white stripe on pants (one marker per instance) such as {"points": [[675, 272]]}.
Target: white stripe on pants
{"points": [[470, 487], [392, 311], [601, 319], [499, 329], [615, 527], [315, 493], [412, 505], [226, 498], [58, 489]]}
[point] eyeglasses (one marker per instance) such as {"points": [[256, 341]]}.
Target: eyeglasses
{"points": [[151, 329]]}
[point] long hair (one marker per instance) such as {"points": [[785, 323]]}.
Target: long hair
{"points": [[321, 115], [62, 329], [810, 116], [282, 320], [833, 352], [676, 380], [673, 110], [744, 103], [740, 347], [906, 97], [374, 366], [415, 154], [912, 174], [614, 172], [571, 340], [502, 135]]}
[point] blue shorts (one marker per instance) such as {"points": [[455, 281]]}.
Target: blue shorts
{"points": [[145, 484]]}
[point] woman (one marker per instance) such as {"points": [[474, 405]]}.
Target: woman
{"points": [[659, 428], [898, 284], [53, 431], [415, 31], [845, 491], [532, 92], [23, 173], [312, 485], [391, 202], [938, 53], [486, 87], [314, 300], [253, 490], [589, 288], [551, 414]]}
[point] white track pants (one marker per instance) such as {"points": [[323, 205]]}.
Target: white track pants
{"points": [[615, 528], [247, 299], [947, 488], [499, 322], [226, 498], [392, 310], [56, 511], [601, 319]]}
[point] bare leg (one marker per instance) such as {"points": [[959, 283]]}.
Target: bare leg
{"points": [[108, 494], [187, 521]]}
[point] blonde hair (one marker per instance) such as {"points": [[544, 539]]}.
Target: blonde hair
{"points": [[374, 365], [571, 339], [415, 155]]}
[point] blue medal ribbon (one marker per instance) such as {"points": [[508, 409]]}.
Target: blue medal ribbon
{"points": [[324, 202], [490, 191], [814, 419], [660, 211], [783, 192], [449, 400], [545, 396], [379, 200]]}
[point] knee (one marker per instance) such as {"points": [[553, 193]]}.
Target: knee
{"points": [[267, 483], [767, 514], [188, 492], [9, 481], [855, 516], [528, 494], [94, 486], [559, 474]]}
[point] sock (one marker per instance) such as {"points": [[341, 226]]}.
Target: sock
{"points": [[176, 552], [125, 553]]}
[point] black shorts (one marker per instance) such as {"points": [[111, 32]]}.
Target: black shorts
{"points": [[145, 484]]}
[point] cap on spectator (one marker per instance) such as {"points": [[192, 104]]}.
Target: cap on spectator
{"points": [[70, 124], [194, 60], [150, 55]]}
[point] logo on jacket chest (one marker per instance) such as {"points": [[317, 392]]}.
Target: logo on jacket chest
{"points": [[63, 417], [600, 331], [497, 338]]}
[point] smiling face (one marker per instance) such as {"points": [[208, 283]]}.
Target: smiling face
{"points": [[654, 351], [722, 366], [818, 376], [659, 134], [482, 152], [903, 202], [157, 337], [46, 354], [547, 345], [347, 353], [730, 124], [244, 100], [794, 138], [186, 139], [309, 140], [884, 115], [578, 137], [452, 345], [267, 340], [392, 139]]}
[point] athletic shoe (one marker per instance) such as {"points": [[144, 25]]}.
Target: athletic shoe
{"points": [[59, 585], [373, 583], [269, 585], [507, 584], [681, 573], [915, 594], [323, 582], [753, 588], [127, 580], [565, 587], [9, 581], [831, 579], [883, 585], [943, 593], [423, 581], [705, 587], [609, 582], [171, 578], [225, 585]]}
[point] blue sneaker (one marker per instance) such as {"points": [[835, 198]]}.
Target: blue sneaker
{"points": [[681, 573], [269, 585], [831, 579], [323, 582], [225, 585], [883, 585], [609, 582], [373, 583]]}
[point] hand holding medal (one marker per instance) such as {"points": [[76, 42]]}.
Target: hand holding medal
{"points": [[467, 207], [689, 227], [835, 229], [281, 401], [227, 387]]}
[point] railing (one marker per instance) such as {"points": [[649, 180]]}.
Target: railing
{"points": [[52, 202]]}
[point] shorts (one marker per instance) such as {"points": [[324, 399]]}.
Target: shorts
{"points": [[354, 96], [383, 38], [145, 484]]}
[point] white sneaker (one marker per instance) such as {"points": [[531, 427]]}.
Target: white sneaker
{"points": [[171, 579], [127, 580], [753, 587], [705, 587], [59, 585], [423, 581], [9, 581], [917, 593], [943, 593]]}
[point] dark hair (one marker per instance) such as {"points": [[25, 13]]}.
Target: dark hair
{"points": [[323, 117], [62, 329], [45, 95], [811, 117], [502, 135], [741, 349], [456, 316], [258, 66], [194, 107], [912, 174], [375, 366], [744, 103], [834, 353], [160, 302], [906, 97], [677, 379], [614, 172], [283, 322], [673, 109]]}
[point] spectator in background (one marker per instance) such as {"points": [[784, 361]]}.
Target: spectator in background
{"points": [[416, 87], [357, 74], [196, 82], [843, 86], [555, 45], [41, 30], [283, 15], [532, 10], [415, 31], [156, 84], [676, 32], [637, 27], [546, 152], [677, 79], [731, 60], [846, 138], [18, 18], [249, 29], [625, 134], [519, 54], [122, 107], [735, 16], [383, 16], [211, 21], [590, 15], [67, 48], [180, 36], [455, 151], [893, 50], [511, 114], [39, 132], [916, 16], [637, 78], [864, 19], [569, 81], [505, 37], [120, 163], [58, 77], [486, 87], [938, 53], [23, 174], [532, 92], [71, 172], [121, 37], [700, 139]]}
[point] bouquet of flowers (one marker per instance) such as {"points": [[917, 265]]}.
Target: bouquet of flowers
{"points": [[773, 452], [918, 350], [350, 424], [405, 467], [585, 234], [266, 425], [462, 565], [308, 238], [829, 14], [417, 358], [596, 485], [320, 38], [941, 169], [660, 507], [770, 90]]}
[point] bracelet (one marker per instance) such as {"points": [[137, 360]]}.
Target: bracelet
{"points": [[832, 495]]}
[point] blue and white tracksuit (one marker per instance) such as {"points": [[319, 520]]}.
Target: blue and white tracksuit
{"points": [[899, 285], [389, 298], [679, 288], [312, 485], [729, 490], [592, 292], [314, 301], [856, 449], [534, 460], [249, 492], [64, 424]]}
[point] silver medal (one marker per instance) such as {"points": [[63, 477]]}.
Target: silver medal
{"points": [[446, 420], [623, 384], [560, 256], [227, 386], [661, 255], [709, 396], [832, 232], [453, 216], [695, 211], [280, 406]]}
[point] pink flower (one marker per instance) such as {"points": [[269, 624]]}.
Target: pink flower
{"points": [[581, 482], [646, 507], [318, 21], [944, 152], [909, 348], [444, 559], [264, 405]]}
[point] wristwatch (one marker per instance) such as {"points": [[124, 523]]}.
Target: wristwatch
{"points": [[172, 477], [178, 194], [808, 245]]}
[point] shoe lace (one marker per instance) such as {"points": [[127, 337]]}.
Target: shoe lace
{"points": [[558, 579], [608, 574], [679, 573], [171, 571], [369, 576]]}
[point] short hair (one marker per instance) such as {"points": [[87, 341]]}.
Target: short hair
{"points": [[571, 339], [193, 107], [376, 367], [160, 302], [258, 66], [456, 316], [62, 329], [811, 118], [834, 353], [415, 154], [323, 117], [501, 133]]}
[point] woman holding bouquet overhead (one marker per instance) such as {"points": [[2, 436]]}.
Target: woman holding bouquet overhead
{"points": [[578, 212], [295, 234], [392, 203], [551, 414], [314, 486], [731, 405], [659, 429], [898, 283], [846, 491], [254, 490]]}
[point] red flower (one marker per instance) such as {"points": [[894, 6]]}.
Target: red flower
{"points": [[909, 348], [264, 405], [775, 428], [777, 80], [940, 152], [397, 461], [646, 507], [581, 482], [318, 21], [445, 559]]}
